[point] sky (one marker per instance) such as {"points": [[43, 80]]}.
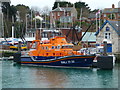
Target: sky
{"points": [[93, 4]]}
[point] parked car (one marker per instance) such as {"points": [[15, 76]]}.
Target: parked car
{"points": [[15, 47]]}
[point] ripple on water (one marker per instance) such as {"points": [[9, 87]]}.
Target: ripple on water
{"points": [[15, 76]]}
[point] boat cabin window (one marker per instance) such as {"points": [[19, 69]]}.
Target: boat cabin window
{"points": [[46, 48], [63, 39], [58, 47], [43, 48], [53, 47], [63, 47]]}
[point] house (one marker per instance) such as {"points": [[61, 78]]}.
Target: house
{"points": [[33, 34], [93, 16], [63, 15], [110, 32], [111, 13]]}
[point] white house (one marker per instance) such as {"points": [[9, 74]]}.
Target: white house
{"points": [[110, 31]]}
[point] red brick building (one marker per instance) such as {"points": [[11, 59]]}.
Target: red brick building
{"points": [[63, 15], [111, 13]]}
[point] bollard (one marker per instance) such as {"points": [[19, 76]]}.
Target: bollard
{"points": [[19, 46], [105, 62], [17, 57], [105, 48]]}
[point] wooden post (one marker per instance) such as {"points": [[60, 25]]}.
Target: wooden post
{"points": [[38, 34], [19, 46], [105, 48]]}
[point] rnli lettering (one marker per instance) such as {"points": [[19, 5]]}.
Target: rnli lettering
{"points": [[67, 62]]}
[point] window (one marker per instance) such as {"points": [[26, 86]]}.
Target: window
{"points": [[63, 39], [67, 14], [107, 28], [58, 47], [107, 35], [43, 35], [46, 35], [33, 34], [53, 47], [104, 15], [46, 48], [43, 48]]}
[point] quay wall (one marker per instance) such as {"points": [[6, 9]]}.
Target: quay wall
{"points": [[117, 55]]}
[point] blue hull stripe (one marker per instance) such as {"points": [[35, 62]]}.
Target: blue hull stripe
{"points": [[68, 61]]}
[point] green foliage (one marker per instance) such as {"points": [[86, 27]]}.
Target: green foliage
{"points": [[62, 4], [85, 9], [8, 11], [57, 23], [78, 5], [23, 10], [94, 11]]}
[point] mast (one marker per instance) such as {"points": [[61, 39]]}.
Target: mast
{"points": [[26, 21], [1, 22], [80, 17], [31, 18], [12, 26]]}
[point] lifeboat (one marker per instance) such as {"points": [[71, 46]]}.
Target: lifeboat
{"points": [[55, 52]]}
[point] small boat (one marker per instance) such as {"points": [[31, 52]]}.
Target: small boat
{"points": [[55, 52]]}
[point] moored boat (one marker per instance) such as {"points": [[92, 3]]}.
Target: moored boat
{"points": [[55, 52]]}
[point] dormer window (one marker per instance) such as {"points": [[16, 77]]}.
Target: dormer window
{"points": [[107, 28]]}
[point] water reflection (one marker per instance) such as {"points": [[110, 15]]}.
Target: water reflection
{"points": [[0, 74], [52, 77], [15, 76], [105, 77], [59, 78]]}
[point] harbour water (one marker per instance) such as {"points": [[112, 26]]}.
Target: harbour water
{"points": [[16, 76]]}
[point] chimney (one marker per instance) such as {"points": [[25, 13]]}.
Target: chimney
{"points": [[74, 5], [58, 5], [113, 6], [66, 5]]}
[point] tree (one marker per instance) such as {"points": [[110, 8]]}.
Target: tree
{"points": [[8, 12], [23, 10], [62, 4], [85, 8]]}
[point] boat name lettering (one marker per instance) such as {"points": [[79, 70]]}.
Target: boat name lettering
{"points": [[67, 62]]}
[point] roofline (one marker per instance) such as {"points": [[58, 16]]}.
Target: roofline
{"points": [[104, 25], [62, 7], [111, 8]]}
